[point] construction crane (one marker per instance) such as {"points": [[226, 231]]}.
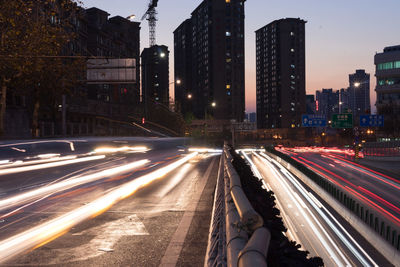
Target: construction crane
{"points": [[151, 16]]}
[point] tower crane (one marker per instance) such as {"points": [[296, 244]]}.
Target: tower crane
{"points": [[151, 16]]}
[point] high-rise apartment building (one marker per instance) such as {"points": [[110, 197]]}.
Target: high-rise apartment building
{"points": [[155, 74], [210, 61], [328, 103], [388, 86], [114, 37], [281, 93], [310, 104], [344, 100], [183, 68], [359, 96]]}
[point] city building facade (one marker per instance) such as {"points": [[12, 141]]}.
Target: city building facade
{"points": [[359, 94], [119, 38], [183, 68], [155, 75], [211, 45], [344, 100], [310, 104], [388, 86], [280, 62], [328, 103]]}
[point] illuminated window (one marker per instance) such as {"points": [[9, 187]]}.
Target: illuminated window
{"points": [[397, 64], [291, 33], [228, 86], [386, 66], [292, 50], [227, 1], [228, 33]]}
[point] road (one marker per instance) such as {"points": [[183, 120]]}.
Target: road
{"points": [[310, 222], [98, 202], [376, 190]]}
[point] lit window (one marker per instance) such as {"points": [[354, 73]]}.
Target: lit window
{"points": [[292, 50], [228, 33], [227, 1], [397, 64], [291, 33], [386, 66], [228, 86], [292, 66]]}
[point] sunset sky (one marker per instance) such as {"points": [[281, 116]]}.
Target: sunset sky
{"points": [[341, 35]]}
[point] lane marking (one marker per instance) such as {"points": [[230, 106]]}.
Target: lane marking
{"points": [[175, 246]]}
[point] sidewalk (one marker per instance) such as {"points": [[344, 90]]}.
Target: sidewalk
{"points": [[195, 245], [391, 168]]}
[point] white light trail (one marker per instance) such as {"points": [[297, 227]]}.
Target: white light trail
{"points": [[291, 193], [104, 150], [316, 206], [204, 150], [52, 229], [66, 184], [59, 162]]}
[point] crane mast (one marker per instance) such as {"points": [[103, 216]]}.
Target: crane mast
{"points": [[151, 17]]}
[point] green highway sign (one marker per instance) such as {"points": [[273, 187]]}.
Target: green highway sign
{"points": [[342, 120]]}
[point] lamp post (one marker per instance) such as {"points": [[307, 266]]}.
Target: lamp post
{"points": [[213, 105]]}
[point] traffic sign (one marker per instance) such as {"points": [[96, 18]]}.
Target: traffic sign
{"points": [[310, 120], [371, 120], [342, 120]]}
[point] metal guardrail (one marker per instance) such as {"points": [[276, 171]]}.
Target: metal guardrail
{"points": [[216, 249], [241, 222]]}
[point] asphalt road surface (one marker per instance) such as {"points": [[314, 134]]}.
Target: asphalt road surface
{"points": [[99, 202]]}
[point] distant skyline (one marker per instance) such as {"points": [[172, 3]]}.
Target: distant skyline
{"points": [[341, 36]]}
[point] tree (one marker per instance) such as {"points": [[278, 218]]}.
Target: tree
{"points": [[34, 37]]}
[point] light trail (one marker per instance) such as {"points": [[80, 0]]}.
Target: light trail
{"points": [[66, 184], [104, 150], [346, 238], [361, 167], [362, 198], [19, 163], [376, 207], [46, 232], [328, 245], [204, 150], [49, 165]]}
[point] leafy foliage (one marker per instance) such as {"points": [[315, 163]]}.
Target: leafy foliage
{"points": [[34, 39]]}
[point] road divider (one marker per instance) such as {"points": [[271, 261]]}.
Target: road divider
{"points": [[241, 221]]}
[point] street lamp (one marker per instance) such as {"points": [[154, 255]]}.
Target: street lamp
{"points": [[131, 17], [162, 55], [213, 104], [189, 96]]}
